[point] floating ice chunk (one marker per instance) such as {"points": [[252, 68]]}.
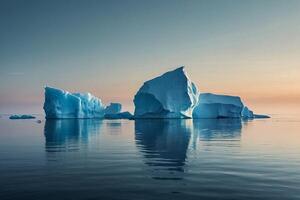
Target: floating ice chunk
{"points": [[248, 114], [257, 116], [171, 95], [22, 117], [121, 115], [113, 108], [62, 104], [218, 106]]}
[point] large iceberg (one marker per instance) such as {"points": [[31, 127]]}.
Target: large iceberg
{"points": [[63, 104], [218, 106], [171, 95]]}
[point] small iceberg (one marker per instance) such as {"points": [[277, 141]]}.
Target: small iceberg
{"points": [[22, 117], [113, 108], [113, 111], [121, 115], [248, 114]]}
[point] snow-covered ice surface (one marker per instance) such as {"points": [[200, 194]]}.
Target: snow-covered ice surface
{"points": [[171, 95], [22, 117], [113, 108], [62, 104], [218, 106]]}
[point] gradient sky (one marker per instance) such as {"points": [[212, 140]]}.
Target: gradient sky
{"points": [[109, 48]]}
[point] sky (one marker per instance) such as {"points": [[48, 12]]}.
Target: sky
{"points": [[109, 48]]}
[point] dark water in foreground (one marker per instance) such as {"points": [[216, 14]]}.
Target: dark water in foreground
{"points": [[150, 159]]}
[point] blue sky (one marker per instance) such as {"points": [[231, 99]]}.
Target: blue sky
{"points": [[109, 48]]}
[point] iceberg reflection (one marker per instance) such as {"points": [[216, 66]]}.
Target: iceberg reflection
{"points": [[164, 144], [223, 128], [69, 134]]}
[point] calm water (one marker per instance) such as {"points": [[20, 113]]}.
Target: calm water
{"points": [[150, 159]]}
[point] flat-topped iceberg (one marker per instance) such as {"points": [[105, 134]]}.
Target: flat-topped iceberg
{"points": [[22, 117], [222, 106], [218, 106], [63, 104], [171, 95]]}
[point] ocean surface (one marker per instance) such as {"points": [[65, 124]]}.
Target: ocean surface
{"points": [[150, 159]]}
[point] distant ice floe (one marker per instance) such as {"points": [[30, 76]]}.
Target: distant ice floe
{"points": [[259, 116], [22, 117]]}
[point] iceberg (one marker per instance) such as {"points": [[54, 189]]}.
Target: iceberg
{"points": [[171, 95], [63, 104], [113, 111], [218, 106], [223, 106], [121, 115], [22, 117], [113, 108]]}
